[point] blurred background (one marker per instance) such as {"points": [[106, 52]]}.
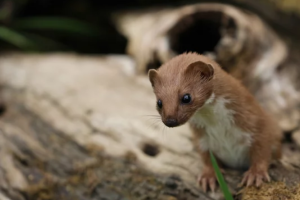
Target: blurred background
{"points": [[85, 26]]}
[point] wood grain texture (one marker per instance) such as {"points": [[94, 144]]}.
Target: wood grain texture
{"points": [[74, 127]]}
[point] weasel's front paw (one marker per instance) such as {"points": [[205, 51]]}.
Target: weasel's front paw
{"points": [[255, 176], [208, 180]]}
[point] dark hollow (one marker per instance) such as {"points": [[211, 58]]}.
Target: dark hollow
{"points": [[199, 32], [150, 149], [2, 108], [154, 64]]}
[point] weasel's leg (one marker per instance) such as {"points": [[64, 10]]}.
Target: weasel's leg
{"points": [[260, 155], [207, 179]]}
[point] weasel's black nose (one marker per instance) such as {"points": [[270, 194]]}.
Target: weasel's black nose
{"points": [[171, 122]]}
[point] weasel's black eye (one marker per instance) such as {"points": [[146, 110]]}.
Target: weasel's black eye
{"points": [[159, 103], [186, 99]]}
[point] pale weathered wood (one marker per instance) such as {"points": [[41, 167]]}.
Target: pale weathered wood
{"points": [[65, 112], [78, 127]]}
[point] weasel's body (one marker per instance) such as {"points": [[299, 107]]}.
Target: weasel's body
{"points": [[224, 116], [229, 142]]}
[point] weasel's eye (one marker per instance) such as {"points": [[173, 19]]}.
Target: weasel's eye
{"points": [[159, 103], [186, 99]]}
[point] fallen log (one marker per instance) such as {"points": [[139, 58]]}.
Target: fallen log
{"points": [[75, 127]]}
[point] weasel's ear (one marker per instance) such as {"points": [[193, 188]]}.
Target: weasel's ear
{"points": [[153, 76], [204, 70]]}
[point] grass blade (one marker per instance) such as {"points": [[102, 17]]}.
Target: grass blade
{"points": [[16, 39], [56, 24], [48, 43], [220, 178]]}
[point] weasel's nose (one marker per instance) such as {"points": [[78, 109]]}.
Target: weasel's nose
{"points": [[171, 122]]}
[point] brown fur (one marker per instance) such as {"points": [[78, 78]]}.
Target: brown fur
{"points": [[200, 76]]}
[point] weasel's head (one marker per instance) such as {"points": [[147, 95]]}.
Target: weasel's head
{"points": [[182, 86]]}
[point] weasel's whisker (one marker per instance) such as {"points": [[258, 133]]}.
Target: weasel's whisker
{"points": [[155, 123], [150, 116]]}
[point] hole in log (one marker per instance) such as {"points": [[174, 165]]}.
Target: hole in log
{"points": [[150, 149], [23, 162], [272, 166], [200, 32], [154, 64], [288, 137], [2, 108]]}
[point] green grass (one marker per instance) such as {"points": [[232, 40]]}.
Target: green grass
{"points": [[16, 38], [60, 24], [220, 178], [22, 33]]}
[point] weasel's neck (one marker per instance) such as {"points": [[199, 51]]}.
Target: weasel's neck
{"points": [[213, 113]]}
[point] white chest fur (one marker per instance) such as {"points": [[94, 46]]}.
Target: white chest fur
{"points": [[227, 141]]}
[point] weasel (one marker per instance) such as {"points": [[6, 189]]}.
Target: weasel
{"points": [[225, 118]]}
